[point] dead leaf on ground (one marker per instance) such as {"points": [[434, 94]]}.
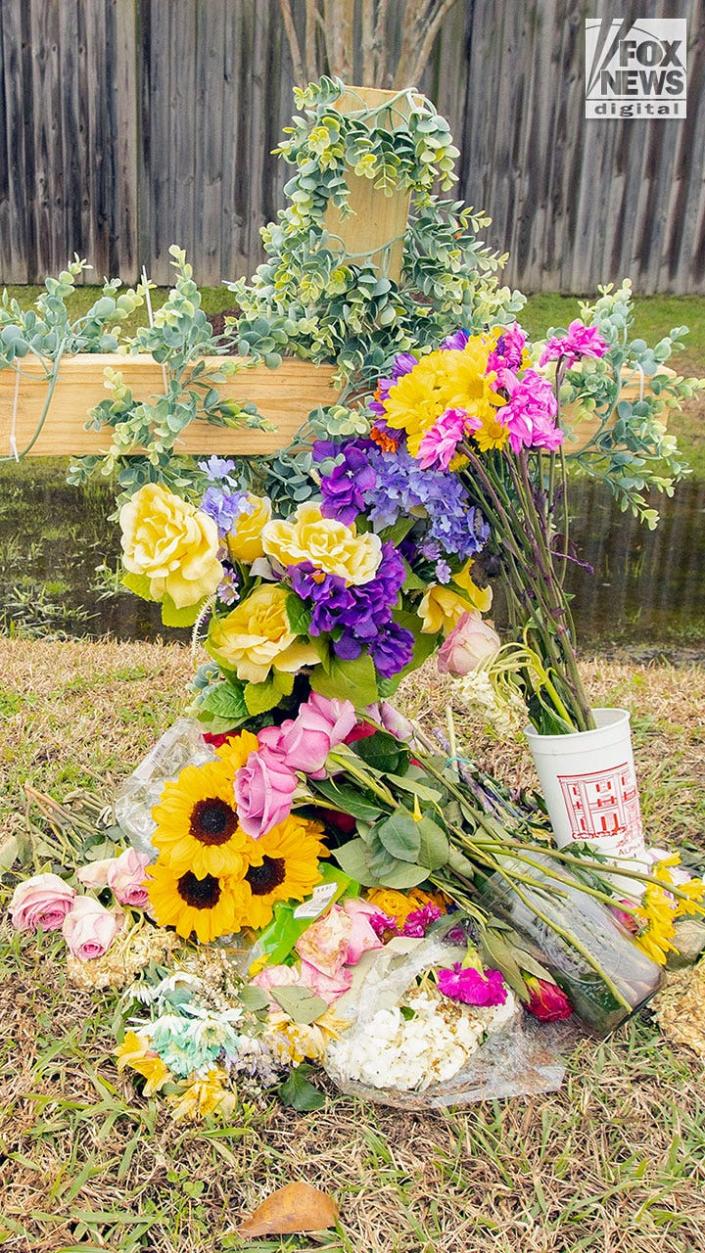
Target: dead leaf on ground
{"points": [[297, 1207]]}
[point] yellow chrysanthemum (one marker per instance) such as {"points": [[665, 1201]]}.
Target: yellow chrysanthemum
{"points": [[135, 1053], [330, 545], [206, 907], [657, 914], [399, 905], [492, 434], [283, 866], [197, 825], [201, 1096]]}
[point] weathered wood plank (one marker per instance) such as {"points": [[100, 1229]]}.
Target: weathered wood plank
{"points": [[284, 396]]}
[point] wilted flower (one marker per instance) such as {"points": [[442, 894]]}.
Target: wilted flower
{"points": [[547, 1001]]}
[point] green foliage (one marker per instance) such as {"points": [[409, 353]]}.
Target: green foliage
{"points": [[630, 450], [178, 339], [317, 302]]}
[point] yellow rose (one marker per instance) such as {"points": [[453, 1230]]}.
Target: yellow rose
{"points": [[256, 636], [442, 607], [172, 544], [329, 545], [245, 540]]}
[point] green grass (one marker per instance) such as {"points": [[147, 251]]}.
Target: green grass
{"points": [[612, 1161]]}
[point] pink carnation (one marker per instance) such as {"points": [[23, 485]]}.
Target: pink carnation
{"points": [[464, 983], [418, 921], [439, 445], [531, 412], [580, 341]]}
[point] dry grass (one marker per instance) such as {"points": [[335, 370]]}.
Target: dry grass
{"points": [[612, 1164]]}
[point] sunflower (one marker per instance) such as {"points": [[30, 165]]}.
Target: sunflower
{"points": [[197, 825], [236, 749], [283, 866], [206, 906]]}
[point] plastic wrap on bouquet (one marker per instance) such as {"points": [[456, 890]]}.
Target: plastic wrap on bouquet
{"points": [[182, 745], [521, 1057], [595, 928]]}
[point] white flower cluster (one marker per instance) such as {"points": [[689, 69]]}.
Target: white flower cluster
{"points": [[426, 1040], [505, 714]]}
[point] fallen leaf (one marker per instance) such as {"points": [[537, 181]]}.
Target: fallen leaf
{"points": [[297, 1207]]}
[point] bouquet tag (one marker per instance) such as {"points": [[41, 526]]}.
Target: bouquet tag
{"points": [[318, 901]]}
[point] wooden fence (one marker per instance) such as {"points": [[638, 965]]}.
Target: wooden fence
{"points": [[127, 125]]}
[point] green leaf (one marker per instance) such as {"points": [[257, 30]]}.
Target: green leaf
{"points": [[405, 875], [354, 859], [299, 1094], [174, 617], [355, 681], [301, 1004], [344, 796], [259, 697], [382, 751], [226, 701], [298, 613], [409, 783], [435, 849], [424, 644], [400, 836], [137, 583], [252, 997]]}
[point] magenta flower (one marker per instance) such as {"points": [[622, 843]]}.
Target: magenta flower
{"points": [[509, 350], [381, 923], [530, 415], [438, 446], [580, 341], [419, 920], [471, 987]]}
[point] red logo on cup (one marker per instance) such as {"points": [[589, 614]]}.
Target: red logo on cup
{"points": [[604, 805]]}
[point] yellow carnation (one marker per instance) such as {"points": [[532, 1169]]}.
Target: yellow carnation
{"points": [[245, 540], [255, 636], [329, 545], [172, 544]]}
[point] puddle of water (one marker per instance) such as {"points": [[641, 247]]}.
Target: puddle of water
{"points": [[648, 587]]}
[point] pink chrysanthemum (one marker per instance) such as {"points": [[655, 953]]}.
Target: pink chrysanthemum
{"points": [[439, 445], [508, 353], [530, 415], [580, 341]]}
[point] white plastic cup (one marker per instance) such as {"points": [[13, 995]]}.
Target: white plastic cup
{"points": [[589, 785]]}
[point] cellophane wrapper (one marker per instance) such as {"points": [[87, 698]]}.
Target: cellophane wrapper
{"points": [[522, 1058]]}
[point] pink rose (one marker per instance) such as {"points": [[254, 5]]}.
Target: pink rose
{"points": [[391, 720], [90, 928], [363, 937], [95, 874], [276, 977], [264, 790], [126, 878], [328, 987], [41, 903], [305, 741], [325, 943], [470, 643]]}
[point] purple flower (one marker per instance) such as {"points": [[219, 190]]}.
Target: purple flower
{"points": [[343, 490], [419, 920], [329, 595], [469, 986], [402, 487], [580, 341], [392, 650], [455, 342], [443, 571], [217, 468], [403, 363], [509, 350], [228, 589], [224, 507]]}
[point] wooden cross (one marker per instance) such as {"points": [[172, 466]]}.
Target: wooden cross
{"points": [[285, 396]]}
